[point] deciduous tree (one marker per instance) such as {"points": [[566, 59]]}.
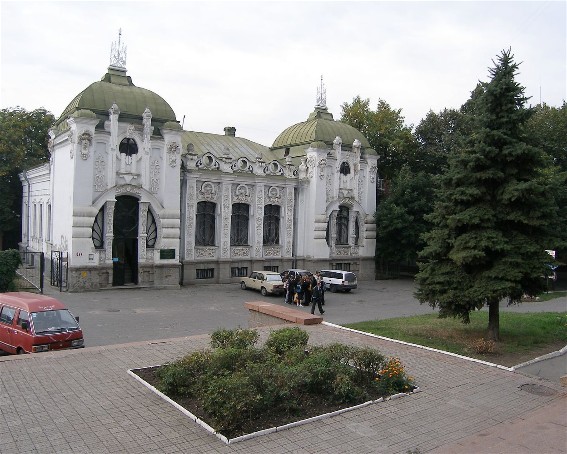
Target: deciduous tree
{"points": [[23, 144]]}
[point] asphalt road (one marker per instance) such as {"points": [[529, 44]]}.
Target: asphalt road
{"points": [[132, 314]]}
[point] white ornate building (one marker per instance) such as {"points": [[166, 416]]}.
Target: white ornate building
{"points": [[132, 199]]}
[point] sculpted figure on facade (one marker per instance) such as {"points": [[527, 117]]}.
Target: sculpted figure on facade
{"points": [[147, 130], [302, 171], [86, 140]]}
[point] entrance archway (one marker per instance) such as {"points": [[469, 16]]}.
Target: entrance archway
{"points": [[125, 242]]}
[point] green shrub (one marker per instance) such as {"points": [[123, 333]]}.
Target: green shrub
{"points": [[10, 260], [231, 399], [182, 377], [234, 338], [285, 339]]}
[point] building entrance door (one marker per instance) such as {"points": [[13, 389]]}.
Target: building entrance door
{"points": [[125, 242]]}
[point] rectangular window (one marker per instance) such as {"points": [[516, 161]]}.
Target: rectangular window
{"points": [[271, 225], [7, 315], [41, 220], [239, 271], [205, 273], [275, 269], [205, 228], [342, 266], [239, 221], [23, 317], [49, 236]]}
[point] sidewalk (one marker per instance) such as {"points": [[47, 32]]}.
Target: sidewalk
{"points": [[83, 401]]}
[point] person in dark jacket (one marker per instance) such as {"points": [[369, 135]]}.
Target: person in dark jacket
{"points": [[316, 298]]}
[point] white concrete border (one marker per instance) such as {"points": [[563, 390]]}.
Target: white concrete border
{"points": [[509, 369]]}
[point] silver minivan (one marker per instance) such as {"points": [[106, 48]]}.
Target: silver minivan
{"points": [[338, 280]]}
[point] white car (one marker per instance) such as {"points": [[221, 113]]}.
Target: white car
{"points": [[339, 280], [268, 282]]}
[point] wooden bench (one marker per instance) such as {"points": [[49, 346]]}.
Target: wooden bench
{"points": [[287, 313]]}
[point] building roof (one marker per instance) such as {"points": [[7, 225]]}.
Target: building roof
{"points": [[227, 144], [319, 127], [116, 87]]}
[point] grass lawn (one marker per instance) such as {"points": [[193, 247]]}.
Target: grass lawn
{"points": [[522, 336]]}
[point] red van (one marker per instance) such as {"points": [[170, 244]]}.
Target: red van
{"points": [[30, 322]]}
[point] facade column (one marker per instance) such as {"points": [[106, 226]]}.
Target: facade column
{"points": [[225, 216], [142, 229], [259, 222], [109, 228]]}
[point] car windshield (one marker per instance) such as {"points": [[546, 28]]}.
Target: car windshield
{"points": [[273, 277], [56, 321], [350, 277]]}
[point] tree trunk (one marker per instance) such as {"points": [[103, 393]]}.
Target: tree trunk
{"points": [[494, 320]]}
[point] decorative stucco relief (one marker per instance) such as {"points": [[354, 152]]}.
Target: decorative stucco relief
{"points": [[154, 176], [241, 194], [173, 151], [373, 171], [190, 222], [310, 166], [128, 189], [273, 195], [205, 252], [100, 174], [322, 165], [240, 251], [225, 216], [208, 192], [272, 251], [289, 222], [259, 220]]}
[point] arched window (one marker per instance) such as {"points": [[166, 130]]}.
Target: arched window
{"points": [[98, 229], [151, 230], [205, 230], [128, 147], [272, 224], [344, 169], [239, 224], [342, 225]]}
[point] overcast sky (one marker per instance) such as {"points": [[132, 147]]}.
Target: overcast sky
{"points": [[257, 65]]}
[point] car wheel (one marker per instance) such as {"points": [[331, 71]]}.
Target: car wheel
{"points": [[20, 351], [334, 288], [263, 291], [243, 286], [347, 290]]}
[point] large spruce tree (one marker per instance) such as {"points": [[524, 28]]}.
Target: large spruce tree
{"points": [[493, 212]]}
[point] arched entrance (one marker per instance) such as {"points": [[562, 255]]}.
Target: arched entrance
{"points": [[125, 242]]}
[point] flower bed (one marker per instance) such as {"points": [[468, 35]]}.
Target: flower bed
{"points": [[239, 389]]}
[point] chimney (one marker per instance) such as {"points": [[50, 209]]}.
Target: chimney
{"points": [[230, 131]]}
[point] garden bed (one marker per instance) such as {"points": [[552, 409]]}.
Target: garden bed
{"points": [[297, 382]]}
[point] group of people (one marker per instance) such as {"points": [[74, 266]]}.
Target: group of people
{"points": [[305, 290]]}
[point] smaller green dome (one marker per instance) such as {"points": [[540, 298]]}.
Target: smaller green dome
{"points": [[319, 127]]}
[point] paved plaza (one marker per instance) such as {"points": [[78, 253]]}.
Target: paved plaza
{"points": [[84, 401]]}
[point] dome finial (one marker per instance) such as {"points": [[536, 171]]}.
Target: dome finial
{"points": [[321, 96], [118, 53]]}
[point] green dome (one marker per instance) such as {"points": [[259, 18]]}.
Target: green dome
{"points": [[117, 88], [320, 127]]}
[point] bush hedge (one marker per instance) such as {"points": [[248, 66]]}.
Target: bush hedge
{"points": [[9, 262]]}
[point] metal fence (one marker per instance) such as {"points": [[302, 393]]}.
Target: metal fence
{"points": [[31, 271], [59, 270]]}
